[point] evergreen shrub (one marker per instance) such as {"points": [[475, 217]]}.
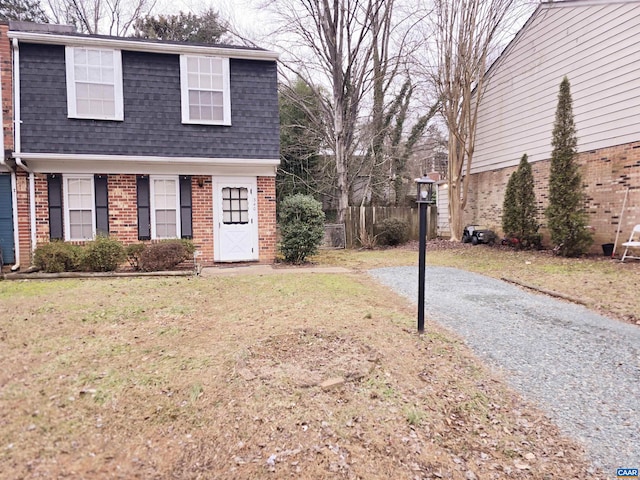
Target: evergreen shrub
{"points": [[103, 254], [393, 231], [301, 227], [164, 255], [58, 256]]}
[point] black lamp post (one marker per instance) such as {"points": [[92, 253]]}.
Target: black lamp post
{"points": [[424, 197]]}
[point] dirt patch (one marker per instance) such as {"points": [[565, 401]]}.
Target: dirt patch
{"points": [[307, 358]]}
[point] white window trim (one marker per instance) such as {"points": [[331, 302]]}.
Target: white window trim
{"points": [[72, 109], [152, 205], [65, 201], [184, 93]]}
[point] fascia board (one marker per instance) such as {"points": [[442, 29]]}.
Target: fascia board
{"points": [[115, 164], [140, 46]]}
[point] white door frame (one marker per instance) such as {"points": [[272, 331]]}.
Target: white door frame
{"points": [[235, 182]]}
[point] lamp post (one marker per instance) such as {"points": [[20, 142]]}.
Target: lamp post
{"points": [[424, 197]]}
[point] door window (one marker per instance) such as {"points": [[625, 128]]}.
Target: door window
{"points": [[235, 205]]}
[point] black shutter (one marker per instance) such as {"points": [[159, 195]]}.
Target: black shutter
{"points": [[54, 189], [185, 207], [102, 204], [144, 207]]}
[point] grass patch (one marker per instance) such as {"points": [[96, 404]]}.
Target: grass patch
{"points": [[212, 377]]}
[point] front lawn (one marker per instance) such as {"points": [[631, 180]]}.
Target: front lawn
{"points": [[224, 377]]}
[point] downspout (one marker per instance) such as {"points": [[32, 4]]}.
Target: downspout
{"points": [[14, 190], [17, 144]]}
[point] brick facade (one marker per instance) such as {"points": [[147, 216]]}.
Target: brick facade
{"points": [[606, 175], [267, 219], [123, 221]]}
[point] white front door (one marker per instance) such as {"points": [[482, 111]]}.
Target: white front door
{"points": [[235, 218]]}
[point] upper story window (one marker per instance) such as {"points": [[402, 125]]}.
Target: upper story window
{"points": [[204, 83], [94, 83]]}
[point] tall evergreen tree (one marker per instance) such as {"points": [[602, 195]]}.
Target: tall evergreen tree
{"points": [[565, 213], [519, 207]]}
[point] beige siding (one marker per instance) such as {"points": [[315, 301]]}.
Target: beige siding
{"points": [[596, 45]]}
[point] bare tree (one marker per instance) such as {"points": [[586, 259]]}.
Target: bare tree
{"points": [[329, 44], [111, 17], [464, 33]]}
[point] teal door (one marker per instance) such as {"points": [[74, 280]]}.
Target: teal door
{"points": [[6, 220]]}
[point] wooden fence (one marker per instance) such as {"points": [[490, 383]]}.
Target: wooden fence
{"points": [[359, 219]]}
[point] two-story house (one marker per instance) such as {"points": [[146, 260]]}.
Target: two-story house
{"points": [[142, 140]]}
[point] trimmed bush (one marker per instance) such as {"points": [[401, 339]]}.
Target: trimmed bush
{"points": [[164, 255], [301, 227], [58, 256], [133, 253], [103, 254], [393, 231]]}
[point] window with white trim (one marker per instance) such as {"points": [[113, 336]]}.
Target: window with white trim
{"points": [[165, 207], [204, 83], [94, 83], [79, 207]]}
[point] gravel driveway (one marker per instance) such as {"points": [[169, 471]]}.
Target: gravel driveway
{"points": [[583, 369]]}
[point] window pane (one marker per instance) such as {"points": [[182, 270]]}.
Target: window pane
{"points": [[109, 108], [93, 57], [94, 74], [82, 107], [217, 99], [192, 64], [226, 217], [216, 64], [194, 112], [193, 80], [108, 75], [106, 58], [244, 217], [194, 97], [205, 65], [217, 83], [205, 82], [80, 56], [217, 113], [80, 72], [205, 98], [206, 113]]}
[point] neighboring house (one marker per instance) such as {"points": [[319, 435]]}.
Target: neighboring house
{"points": [[143, 140], [595, 44]]}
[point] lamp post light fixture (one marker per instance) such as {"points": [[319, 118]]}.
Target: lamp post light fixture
{"points": [[424, 197]]}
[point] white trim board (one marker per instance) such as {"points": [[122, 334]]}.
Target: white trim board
{"points": [[114, 164], [142, 46]]}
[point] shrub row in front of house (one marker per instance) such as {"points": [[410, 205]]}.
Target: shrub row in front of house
{"points": [[105, 254]]}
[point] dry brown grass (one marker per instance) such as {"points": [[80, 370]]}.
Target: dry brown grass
{"points": [[189, 378], [600, 283]]}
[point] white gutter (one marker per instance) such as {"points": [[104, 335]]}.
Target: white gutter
{"points": [[17, 142], [16, 233], [14, 198], [141, 46]]}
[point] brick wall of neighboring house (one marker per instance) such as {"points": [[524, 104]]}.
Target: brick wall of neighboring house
{"points": [[606, 174], [7, 86], [267, 218]]}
